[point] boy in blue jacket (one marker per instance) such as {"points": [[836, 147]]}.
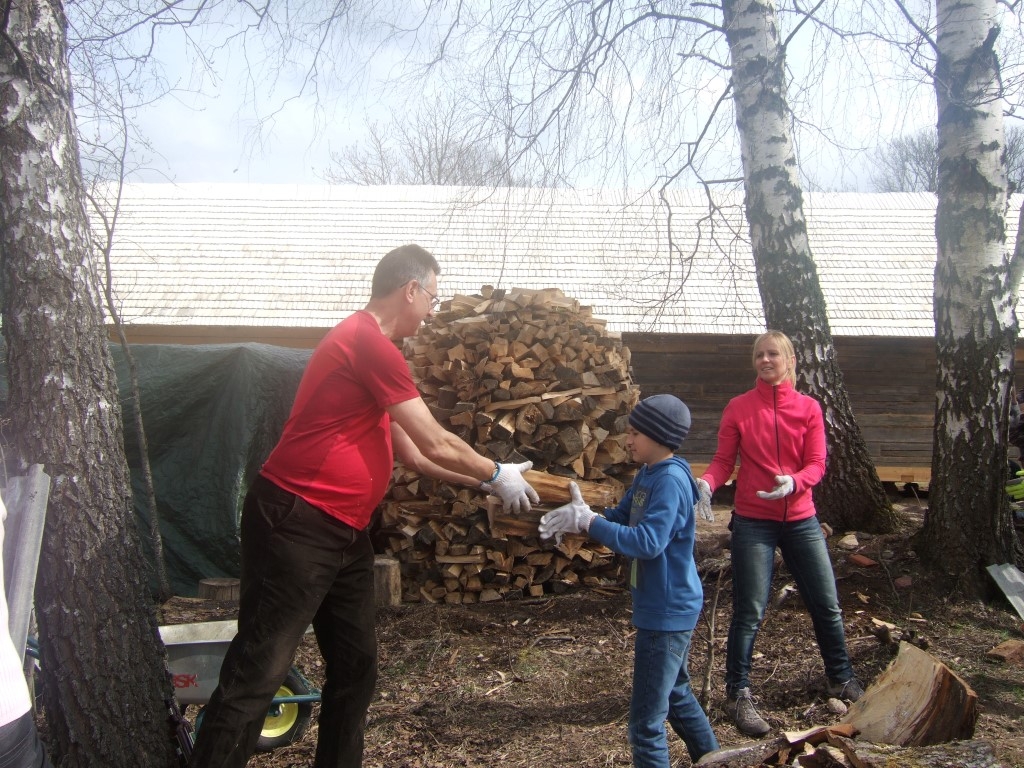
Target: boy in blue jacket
{"points": [[654, 525]]}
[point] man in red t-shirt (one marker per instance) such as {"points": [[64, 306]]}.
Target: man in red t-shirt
{"points": [[306, 555]]}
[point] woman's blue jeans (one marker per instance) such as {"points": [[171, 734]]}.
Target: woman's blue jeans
{"points": [[806, 555], [661, 690]]}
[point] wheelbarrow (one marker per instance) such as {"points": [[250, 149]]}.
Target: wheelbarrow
{"points": [[194, 656]]}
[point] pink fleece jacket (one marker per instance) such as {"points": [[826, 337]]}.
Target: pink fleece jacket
{"points": [[774, 430]]}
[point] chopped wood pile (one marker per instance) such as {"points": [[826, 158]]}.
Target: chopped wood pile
{"points": [[521, 375]]}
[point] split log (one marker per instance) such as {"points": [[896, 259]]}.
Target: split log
{"points": [[916, 701], [554, 489], [744, 755], [442, 553]]}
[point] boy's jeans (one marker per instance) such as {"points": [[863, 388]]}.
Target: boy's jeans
{"points": [[806, 555], [661, 690]]}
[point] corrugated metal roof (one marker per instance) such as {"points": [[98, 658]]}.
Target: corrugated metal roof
{"points": [[303, 256]]}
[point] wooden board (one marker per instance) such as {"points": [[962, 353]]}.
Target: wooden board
{"points": [[890, 382]]}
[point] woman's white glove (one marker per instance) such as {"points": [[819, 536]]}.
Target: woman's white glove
{"points": [[511, 487], [783, 487], [574, 517], [703, 506]]}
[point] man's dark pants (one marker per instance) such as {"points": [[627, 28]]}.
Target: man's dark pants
{"points": [[20, 746], [299, 566]]}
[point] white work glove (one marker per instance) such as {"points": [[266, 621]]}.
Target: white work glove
{"points": [[783, 487], [511, 487], [574, 517], [703, 505]]}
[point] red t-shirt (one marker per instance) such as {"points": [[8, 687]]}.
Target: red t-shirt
{"points": [[335, 451]]}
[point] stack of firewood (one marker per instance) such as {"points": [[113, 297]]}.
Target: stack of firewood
{"points": [[522, 375]]}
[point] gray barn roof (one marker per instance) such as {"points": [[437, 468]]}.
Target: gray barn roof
{"points": [[302, 256]]}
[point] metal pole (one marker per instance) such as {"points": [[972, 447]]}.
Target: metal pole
{"points": [[25, 498]]}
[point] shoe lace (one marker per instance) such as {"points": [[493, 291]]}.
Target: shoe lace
{"points": [[839, 689], [745, 706]]}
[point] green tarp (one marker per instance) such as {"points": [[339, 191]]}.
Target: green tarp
{"points": [[211, 415]]}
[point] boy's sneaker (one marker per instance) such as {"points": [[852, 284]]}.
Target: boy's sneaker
{"points": [[851, 690], [744, 714]]}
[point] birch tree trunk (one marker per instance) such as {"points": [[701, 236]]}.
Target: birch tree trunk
{"points": [[969, 524], [103, 678], [851, 495]]}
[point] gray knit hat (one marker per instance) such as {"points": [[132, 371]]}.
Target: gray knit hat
{"points": [[663, 418]]}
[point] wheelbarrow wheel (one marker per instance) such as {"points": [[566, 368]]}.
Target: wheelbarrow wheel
{"points": [[286, 722]]}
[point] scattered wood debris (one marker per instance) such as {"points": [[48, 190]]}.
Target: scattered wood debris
{"points": [[918, 712], [890, 634], [861, 561]]}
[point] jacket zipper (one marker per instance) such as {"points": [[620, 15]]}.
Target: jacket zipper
{"points": [[778, 447]]}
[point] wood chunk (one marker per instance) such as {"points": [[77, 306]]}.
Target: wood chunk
{"points": [[219, 589], [1008, 652], [387, 581], [744, 755], [862, 561], [916, 701]]}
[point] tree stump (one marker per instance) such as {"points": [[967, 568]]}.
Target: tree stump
{"points": [[387, 580], [219, 589], [918, 701]]}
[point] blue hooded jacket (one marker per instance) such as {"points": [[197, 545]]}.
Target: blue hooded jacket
{"points": [[654, 525]]}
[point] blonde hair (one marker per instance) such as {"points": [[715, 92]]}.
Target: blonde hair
{"points": [[785, 345]]}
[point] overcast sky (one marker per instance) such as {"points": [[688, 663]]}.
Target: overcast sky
{"points": [[218, 143], [216, 138], [209, 133]]}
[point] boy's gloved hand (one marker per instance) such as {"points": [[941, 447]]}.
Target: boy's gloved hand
{"points": [[511, 487], [574, 517], [783, 487], [703, 506]]}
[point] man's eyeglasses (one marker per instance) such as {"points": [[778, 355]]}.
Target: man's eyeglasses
{"points": [[434, 301]]}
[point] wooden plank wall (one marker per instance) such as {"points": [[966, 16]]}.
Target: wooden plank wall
{"points": [[296, 338], [890, 381]]}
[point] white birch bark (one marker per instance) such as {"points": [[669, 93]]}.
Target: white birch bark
{"points": [[851, 495], [104, 681], [968, 525]]}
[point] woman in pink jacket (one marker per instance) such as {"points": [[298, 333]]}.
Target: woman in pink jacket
{"points": [[779, 437]]}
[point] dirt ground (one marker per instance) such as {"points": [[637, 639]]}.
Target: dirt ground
{"points": [[546, 682]]}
